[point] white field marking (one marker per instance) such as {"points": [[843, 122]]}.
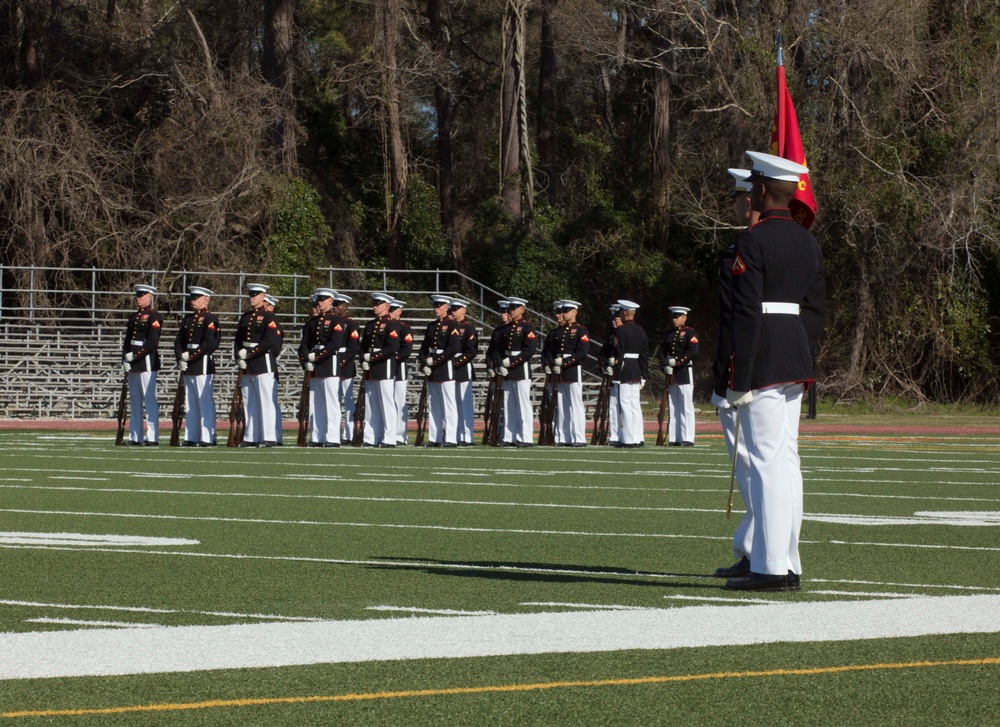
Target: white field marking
{"points": [[82, 539], [433, 611], [903, 585], [395, 526], [101, 652], [144, 609], [93, 624], [590, 606], [868, 594], [78, 478], [722, 599], [954, 519]]}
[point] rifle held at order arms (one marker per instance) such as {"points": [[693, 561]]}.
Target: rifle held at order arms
{"points": [[304, 410], [422, 414], [122, 412], [237, 417], [177, 412]]}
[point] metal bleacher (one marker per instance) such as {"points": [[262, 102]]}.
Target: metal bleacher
{"points": [[61, 330]]}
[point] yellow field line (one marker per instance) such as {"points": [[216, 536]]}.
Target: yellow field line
{"points": [[500, 688]]}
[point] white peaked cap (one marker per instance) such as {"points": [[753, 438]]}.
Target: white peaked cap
{"points": [[270, 300], [742, 179], [257, 288], [396, 303], [457, 303], [774, 167], [381, 298], [197, 291], [679, 309], [324, 293], [515, 302], [142, 289], [628, 305]]}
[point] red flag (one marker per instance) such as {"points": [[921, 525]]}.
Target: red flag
{"points": [[787, 143]]}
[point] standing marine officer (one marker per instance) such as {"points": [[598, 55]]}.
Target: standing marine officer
{"points": [[402, 370], [631, 353], [518, 347], [198, 338], [141, 361], [464, 372], [442, 342], [379, 346], [256, 335], [678, 349], [572, 348]]}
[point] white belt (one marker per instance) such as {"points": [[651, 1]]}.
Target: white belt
{"points": [[248, 344], [515, 354], [630, 355], [319, 347], [342, 349], [376, 350], [438, 351], [138, 343], [193, 346], [791, 309]]}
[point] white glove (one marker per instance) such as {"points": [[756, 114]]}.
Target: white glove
{"points": [[311, 358], [612, 361], [242, 354], [671, 362], [558, 360], [490, 373], [365, 365], [185, 356], [126, 366], [429, 361], [310, 366], [739, 398], [719, 402], [426, 370], [505, 363], [242, 364], [129, 357], [503, 370], [183, 365], [557, 369], [642, 383], [367, 358], [668, 370], [609, 370], [548, 369]]}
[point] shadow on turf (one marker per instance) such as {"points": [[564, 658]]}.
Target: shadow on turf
{"points": [[542, 572]]}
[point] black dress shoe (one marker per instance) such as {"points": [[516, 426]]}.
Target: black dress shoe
{"points": [[244, 445], [152, 444], [757, 582], [736, 570], [673, 444], [449, 445], [330, 445], [466, 444], [189, 444], [577, 444], [206, 444], [687, 444], [525, 444], [794, 581], [315, 444], [385, 446], [268, 443]]}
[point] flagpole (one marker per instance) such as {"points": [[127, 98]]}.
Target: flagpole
{"points": [[780, 125]]}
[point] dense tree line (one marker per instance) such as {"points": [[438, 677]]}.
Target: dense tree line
{"points": [[550, 148]]}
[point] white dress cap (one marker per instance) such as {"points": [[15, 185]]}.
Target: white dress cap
{"points": [[381, 298], [457, 303], [270, 300], [440, 299], [770, 166], [569, 304], [143, 289], [342, 298], [628, 305], [256, 288], [742, 179], [196, 291], [679, 309], [516, 302], [324, 293], [396, 303]]}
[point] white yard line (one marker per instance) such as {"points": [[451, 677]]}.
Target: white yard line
{"points": [[588, 606], [146, 609], [431, 611], [94, 652], [92, 624]]}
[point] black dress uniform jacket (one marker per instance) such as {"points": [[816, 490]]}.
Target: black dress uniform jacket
{"points": [[348, 335], [550, 348], [200, 336], [775, 261], [721, 369], [405, 350], [381, 341], [442, 342], [321, 332], [257, 332], [464, 370], [142, 340], [573, 345], [520, 345], [307, 340], [631, 348], [681, 343], [607, 353], [495, 349]]}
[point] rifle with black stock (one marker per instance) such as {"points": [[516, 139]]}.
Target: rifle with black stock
{"points": [[304, 410], [237, 417], [545, 413], [497, 411], [121, 412], [422, 414], [488, 408], [359, 413], [177, 412], [663, 417]]}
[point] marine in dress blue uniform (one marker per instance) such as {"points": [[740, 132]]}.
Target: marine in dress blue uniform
{"points": [[379, 346], [520, 343], [465, 373], [778, 301], [677, 351], [347, 357], [631, 354], [271, 304], [571, 350], [318, 356], [141, 361], [607, 363], [442, 342], [256, 335], [735, 438], [194, 347], [402, 369]]}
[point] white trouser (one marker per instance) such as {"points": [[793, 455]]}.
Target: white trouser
{"points": [[572, 419], [142, 396], [278, 421], [347, 407], [743, 539], [199, 398], [380, 412], [681, 427], [324, 410], [258, 401], [631, 414], [771, 426], [518, 418], [402, 411], [614, 427], [465, 401], [442, 424]]}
